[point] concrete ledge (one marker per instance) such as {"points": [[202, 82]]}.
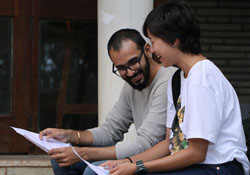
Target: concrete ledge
{"points": [[25, 165], [26, 171], [25, 161]]}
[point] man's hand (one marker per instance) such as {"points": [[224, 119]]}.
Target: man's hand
{"points": [[58, 134], [64, 156]]}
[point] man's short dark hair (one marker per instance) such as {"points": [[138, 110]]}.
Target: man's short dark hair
{"points": [[115, 42], [175, 20]]}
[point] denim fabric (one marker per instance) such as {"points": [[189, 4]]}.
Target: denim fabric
{"points": [[232, 168], [76, 169], [88, 171]]}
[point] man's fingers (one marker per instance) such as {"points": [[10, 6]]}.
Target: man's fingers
{"points": [[59, 157], [64, 164], [56, 151], [47, 132], [41, 134], [47, 137]]}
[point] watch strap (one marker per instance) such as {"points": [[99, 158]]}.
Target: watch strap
{"points": [[140, 168]]}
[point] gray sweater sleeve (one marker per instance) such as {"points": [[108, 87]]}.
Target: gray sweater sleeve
{"points": [[153, 128], [117, 123]]}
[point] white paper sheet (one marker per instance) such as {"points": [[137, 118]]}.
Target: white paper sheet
{"points": [[98, 169], [47, 145]]}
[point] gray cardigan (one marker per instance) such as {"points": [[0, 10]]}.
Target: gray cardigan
{"points": [[147, 109]]}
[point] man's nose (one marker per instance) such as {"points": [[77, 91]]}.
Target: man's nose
{"points": [[130, 72]]}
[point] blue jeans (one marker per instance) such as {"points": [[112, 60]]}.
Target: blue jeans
{"points": [[76, 169], [88, 171], [230, 168]]}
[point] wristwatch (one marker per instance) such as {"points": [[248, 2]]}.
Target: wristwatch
{"points": [[140, 168]]}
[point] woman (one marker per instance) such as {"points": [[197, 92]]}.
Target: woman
{"points": [[208, 138]]}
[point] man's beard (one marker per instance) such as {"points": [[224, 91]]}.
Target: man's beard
{"points": [[146, 73]]}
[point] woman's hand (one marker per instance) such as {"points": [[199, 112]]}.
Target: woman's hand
{"points": [[120, 167], [123, 169], [113, 163]]}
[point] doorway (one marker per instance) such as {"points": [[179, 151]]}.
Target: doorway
{"points": [[48, 68]]}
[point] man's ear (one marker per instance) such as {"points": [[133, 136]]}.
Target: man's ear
{"points": [[147, 49]]}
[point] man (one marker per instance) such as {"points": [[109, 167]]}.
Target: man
{"points": [[142, 101]]}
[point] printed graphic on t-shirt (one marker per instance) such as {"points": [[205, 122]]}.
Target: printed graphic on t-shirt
{"points": [[177, 140]]}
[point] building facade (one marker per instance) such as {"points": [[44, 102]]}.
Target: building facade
{"points": [[55, 68]]}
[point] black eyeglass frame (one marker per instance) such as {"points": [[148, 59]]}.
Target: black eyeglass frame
{"points": [[128, 66]]}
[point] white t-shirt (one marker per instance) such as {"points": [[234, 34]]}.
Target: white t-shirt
{"points": [[211, 111]]}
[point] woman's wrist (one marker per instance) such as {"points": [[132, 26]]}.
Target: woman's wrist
{"points": [[130, 160], [133, 167], [121, 161]]}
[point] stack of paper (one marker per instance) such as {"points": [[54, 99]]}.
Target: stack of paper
{"points": [[47, 145]]}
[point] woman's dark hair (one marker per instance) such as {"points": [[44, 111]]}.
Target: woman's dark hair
{"points": [[175, 20], [115, 42]]}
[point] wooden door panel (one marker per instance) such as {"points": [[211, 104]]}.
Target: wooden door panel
{"points": [[7, 7], [74, 9], [20, 105]]}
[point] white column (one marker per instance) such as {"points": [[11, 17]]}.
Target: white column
{"points": [[112, 16]]}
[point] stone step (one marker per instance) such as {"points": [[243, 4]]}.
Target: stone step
{"points": [[25, 165]]}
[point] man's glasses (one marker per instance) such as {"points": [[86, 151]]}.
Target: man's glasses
{"points": [[133, 64]]}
